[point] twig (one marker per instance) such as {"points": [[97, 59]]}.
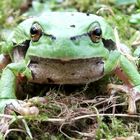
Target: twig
{"points": [[11, 116], [101, 115], [93, 101], [27, 129], [73, 119], [10, 130], [136, 44], [60, 129], [85, 134], [107, 100]]}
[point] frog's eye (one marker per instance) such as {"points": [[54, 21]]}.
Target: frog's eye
{"points": [[35, 32], [96, 34]]}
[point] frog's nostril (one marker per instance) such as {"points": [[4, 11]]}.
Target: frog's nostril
{"points": [[73, 38], [72, 26]]}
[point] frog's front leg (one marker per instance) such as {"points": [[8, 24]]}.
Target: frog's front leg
{"points": [[130, 71], [127, 71], [8, 90]]}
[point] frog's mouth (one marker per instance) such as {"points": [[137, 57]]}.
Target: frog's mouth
{"points": [[60, 71], [74, 71]]}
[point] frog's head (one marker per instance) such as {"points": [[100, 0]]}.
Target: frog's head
{"points": [[69, 35], [64, 47]]}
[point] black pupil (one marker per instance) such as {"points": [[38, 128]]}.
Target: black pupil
{"points": [[33, 30], [97, 32]]}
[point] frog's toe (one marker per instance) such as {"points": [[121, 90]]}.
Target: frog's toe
{"points": [[132, 93], [8, 106], [18, 106], [113, 88], [133, 96]]}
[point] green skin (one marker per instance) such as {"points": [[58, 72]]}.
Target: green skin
{"points": [[62, 47]]}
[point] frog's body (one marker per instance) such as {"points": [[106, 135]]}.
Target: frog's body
{"points": [[63, 48]]}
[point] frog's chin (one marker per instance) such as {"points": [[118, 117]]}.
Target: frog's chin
{"points": [[59, 71]]}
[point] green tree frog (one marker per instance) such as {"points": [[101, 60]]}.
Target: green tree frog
{"points": [[64, 48]]}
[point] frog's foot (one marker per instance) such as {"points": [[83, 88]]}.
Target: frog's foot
{"points": [[132, 93], [21, 107], [8, 106]]}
